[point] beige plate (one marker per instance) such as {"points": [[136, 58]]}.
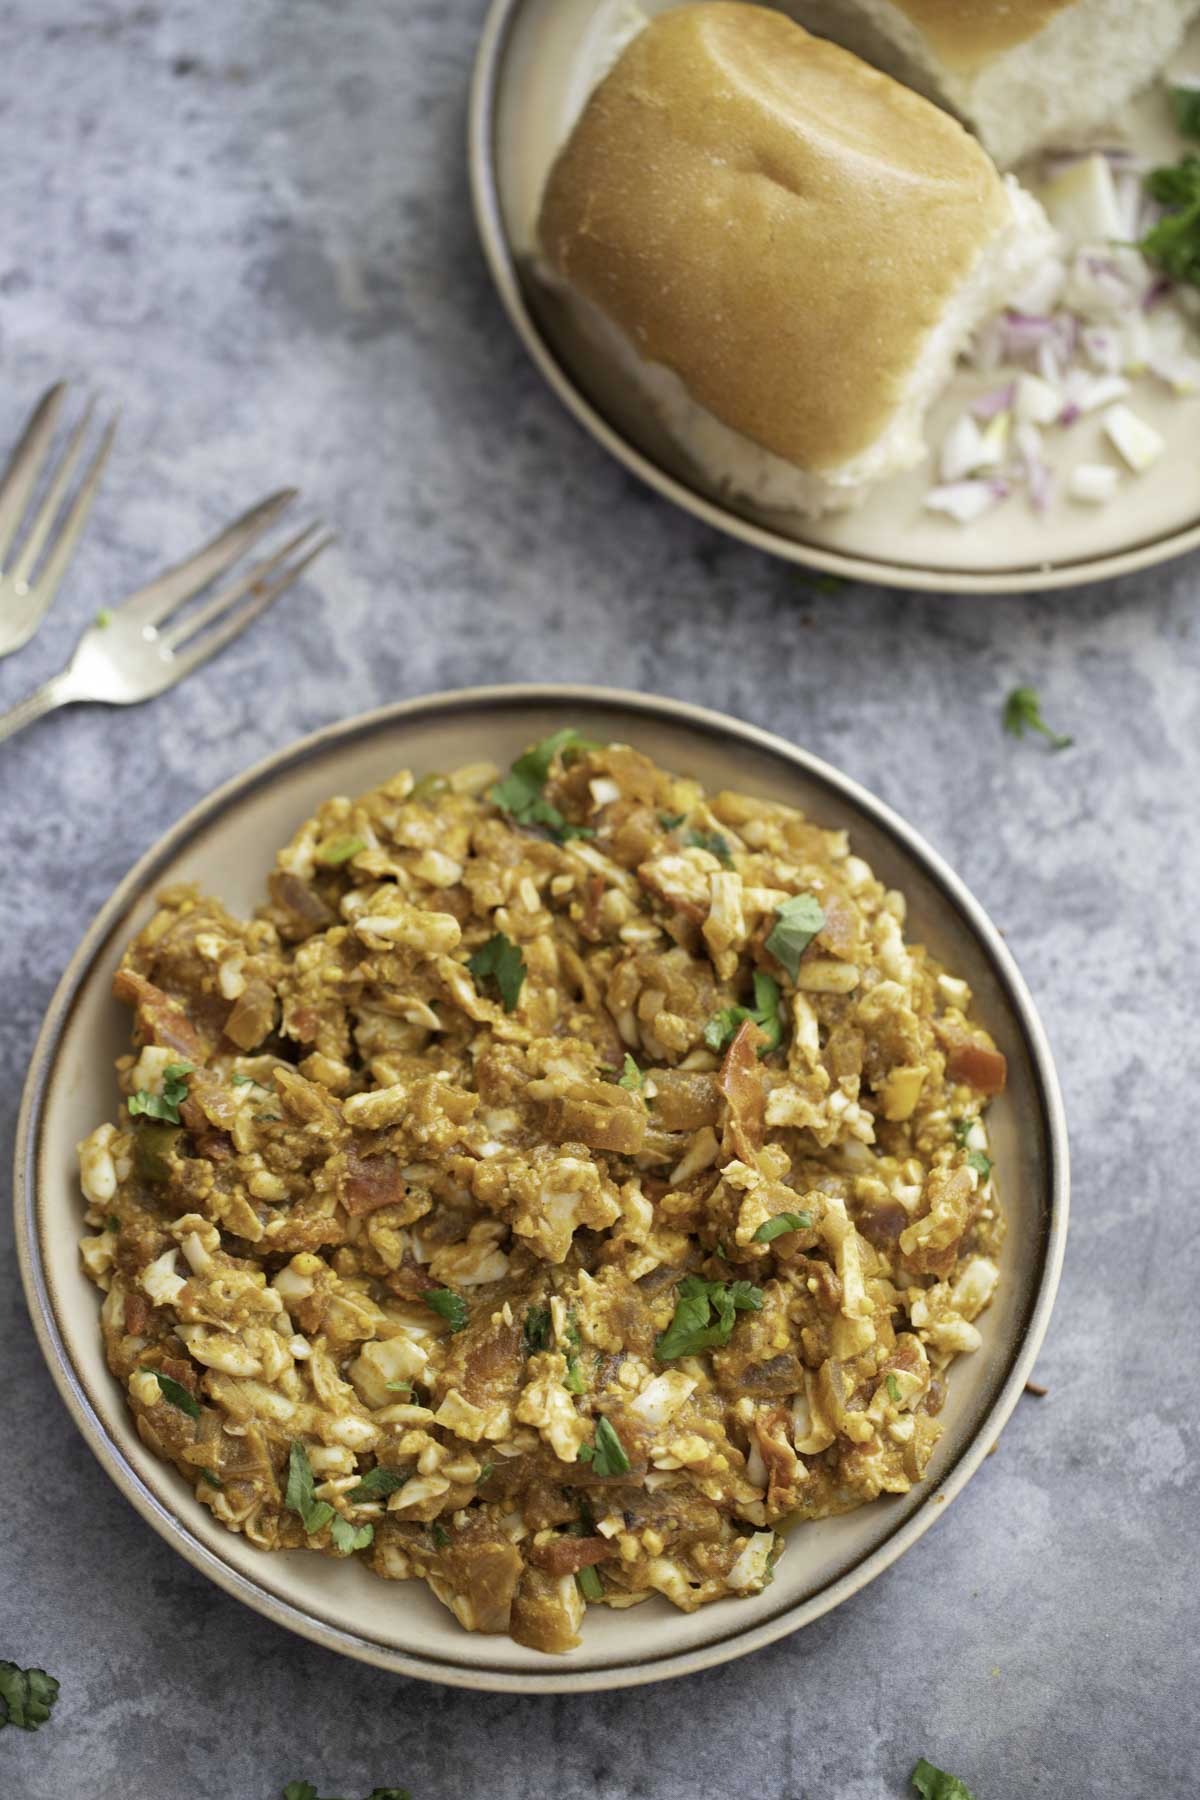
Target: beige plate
{"points": [[530, 78], [225, 845]]}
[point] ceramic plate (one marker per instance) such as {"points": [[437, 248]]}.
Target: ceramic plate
{"points": [[530, 82], [225, 844]]}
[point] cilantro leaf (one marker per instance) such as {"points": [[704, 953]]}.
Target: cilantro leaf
{"points": [[589, 1583], [631, 1076], [347, 1537], [1023, 709], [300, 1790], [520, 793], [935, 1784], [714, 842], [440, 1535], [175, 1394], [770, 1229], [608, 1452], [586, 1452], [503, 962], [163, 1106], [705, 1314], [485, 1474], [27, 1696], [212, 1480], [798, 921], [451, 1306], [398, 1387], [962, 1129], [723, 1027], [536, 1331], [240, 1080], [113, 1224], [573, 1379], [893, 1388], [338, 850], [300, 1497], [376, 1484], [1173, 242], [1185, 104], [981, 1164], [671, 821]]}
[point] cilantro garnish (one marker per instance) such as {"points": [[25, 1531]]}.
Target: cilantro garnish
{"points": [[798, 921], [590, 1585], [163, 1106], [27, 1696], [536, 1330], [671, 821], [112, 1223], [962, 1129], [714, 843], [347, 1537], [104, 618], [573, 1379], [300, 1497], [304, 1790], [631, 1076], [981, 1164], [770, 1229], [1185, 104], [398, 1387], [1023, 709], [451, 1306], [607, 1451], [935, 1784], [338, 850], [376, 1484], [1174, 241], [723, 1027], [440, 1535], [705, 1314], [241, 1080], [175, 1394], [893, 1388], [488, 1469], [207, 1475], [503, 962], [520, 793]]}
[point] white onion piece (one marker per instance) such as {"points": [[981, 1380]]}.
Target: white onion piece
{"points": [[1135, 441], [961, 449], [1102, 347], [1095, 483], [1035, 401], [1084, 393], [966, 500], [1043, 290], [997, 400]]}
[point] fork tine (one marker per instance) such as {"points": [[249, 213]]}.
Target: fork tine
{"points": [[155, 602], [24, 463], [191, 624], [234, 625], [49, 578], [38, 532]]}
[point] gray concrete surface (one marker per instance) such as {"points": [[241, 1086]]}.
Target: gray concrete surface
{"points": [[249, 224]]}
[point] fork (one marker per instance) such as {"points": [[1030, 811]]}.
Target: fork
{"points": [[145, 645], [24, 602]]}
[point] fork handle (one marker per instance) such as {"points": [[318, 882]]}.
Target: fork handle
{"points": [[57, 692]]}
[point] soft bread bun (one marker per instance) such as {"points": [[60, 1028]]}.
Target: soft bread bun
{"points": [[784, 229], [1025, 74]]}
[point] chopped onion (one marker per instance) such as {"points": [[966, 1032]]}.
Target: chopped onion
{"points": [[1102, 347], [1086, 393], [1095, 483], [1138, 443], [966, 500], [998, 400], [1036, 402]]}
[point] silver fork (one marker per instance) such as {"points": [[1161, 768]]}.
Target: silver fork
{"points": [[25, 599], [140, 648]]}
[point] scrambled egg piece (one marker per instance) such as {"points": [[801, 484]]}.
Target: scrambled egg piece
{"points": [[562, 1181]]}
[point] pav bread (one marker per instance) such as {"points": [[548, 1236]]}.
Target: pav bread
{"points": [[784, 247], [1025, 74]]}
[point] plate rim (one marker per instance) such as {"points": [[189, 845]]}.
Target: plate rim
{"points": [[173, 1528], [1035, 577]]}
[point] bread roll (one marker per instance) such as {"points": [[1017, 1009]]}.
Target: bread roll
{"points": [[1025, 74], [786, 247]]}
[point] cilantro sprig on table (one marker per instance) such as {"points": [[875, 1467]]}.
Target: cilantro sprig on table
{"points": [[500, 961], [705, 1314], [935, 1784], [27, 1696], [1023, 711], [304, 1790], [723, 1027], [520, 793], [164, 1106]]}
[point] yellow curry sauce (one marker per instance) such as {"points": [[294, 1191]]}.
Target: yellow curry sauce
{"points": [[563, 1179]]}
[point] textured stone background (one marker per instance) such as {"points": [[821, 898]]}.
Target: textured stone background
{"points": [[249, 224]]}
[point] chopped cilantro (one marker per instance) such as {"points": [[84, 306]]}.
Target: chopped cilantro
{"points": [[536, 1331], [451, 1306], [212, 1480], [267, 1118], [112, 1223], [589, 1583], [573, 1379], [500, 959], [723, 1027], [335, 851], [240, 1080], [935, 1784], [347, 1537], [440, 1535], [27, 1696], [714, 842], [398, 1387], [962, 1129], [1023, 709], [175, 1394], [631, 1076], [1185, 104], [586, 1453], [300, 1497], [104, 618], [304, 1790], [488, 1470], [770, 1229], [893, 1388], [376, 1484], [981, 1164], [671, 821], [705, 1314], [520, 793], [1174, 241], [798, 921], [163, 1106], [608, 1452]]}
